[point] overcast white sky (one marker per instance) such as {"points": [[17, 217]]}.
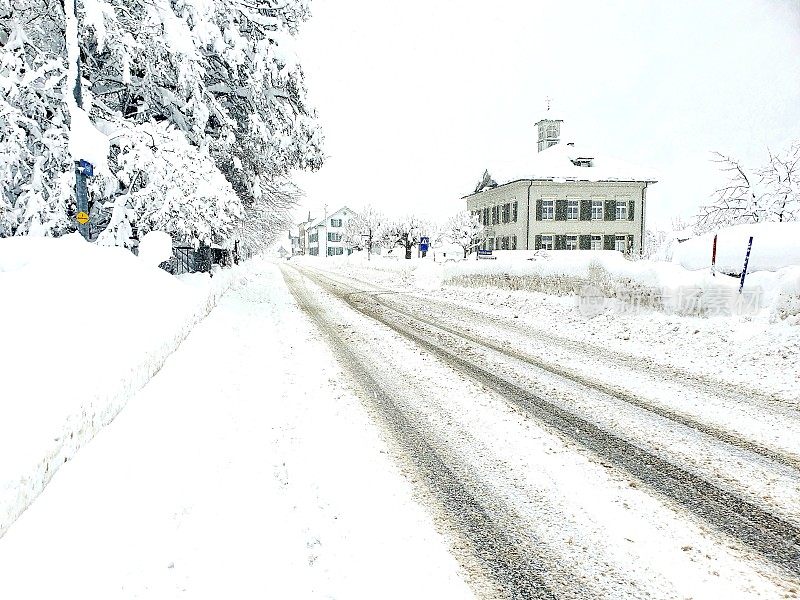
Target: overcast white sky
{"points": [[418, 97]]}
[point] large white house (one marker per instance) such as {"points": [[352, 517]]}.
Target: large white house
{"points": [[571, 198], [325, 237]]}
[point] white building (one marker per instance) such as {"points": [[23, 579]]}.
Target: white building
{"points": [[570, 199], [325, 237]]}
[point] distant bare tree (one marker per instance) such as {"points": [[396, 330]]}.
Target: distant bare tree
{"points": [[771, 193], [465, 230], [781, 178], [364, 229]]}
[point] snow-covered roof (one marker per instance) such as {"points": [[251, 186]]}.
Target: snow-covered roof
{"points": [[573, 162], [320, 222], [561, 162]]}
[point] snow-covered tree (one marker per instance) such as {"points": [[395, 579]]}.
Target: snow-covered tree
{"points": [[169, 185], [364, 229], [405, 232], [33, 147], [769, 193], [466, 230], [184, 85]]}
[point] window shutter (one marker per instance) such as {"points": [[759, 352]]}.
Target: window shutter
{"points": [[630, 244], [561, 210], [585, 242], [538, 216], [608, 242], [561, 242], [537, 244], [610, 212], [514, 213], [586, 210], [631, 209]]}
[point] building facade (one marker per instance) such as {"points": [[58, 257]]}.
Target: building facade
{"points": [[574, 200], [325, 237]]}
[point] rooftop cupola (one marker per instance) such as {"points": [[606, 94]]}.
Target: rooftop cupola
{"points": [[549, 129]]}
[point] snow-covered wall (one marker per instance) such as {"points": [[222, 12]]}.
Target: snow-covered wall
{"points": [[109, 320]]}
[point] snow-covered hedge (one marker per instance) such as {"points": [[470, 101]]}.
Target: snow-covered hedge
{"points": [[84, 328]]}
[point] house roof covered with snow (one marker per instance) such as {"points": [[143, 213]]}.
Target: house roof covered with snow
{"points": [[343, 211], [572, 162]]}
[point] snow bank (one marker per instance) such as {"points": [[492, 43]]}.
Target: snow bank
{"points": [[84, 328], [603, 277], [155, 248], [775, 246], [608, 275]]}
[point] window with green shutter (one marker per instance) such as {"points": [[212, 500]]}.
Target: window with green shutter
{"points": [[631, 210], [610, 212], [561, 210], [586, 210]]}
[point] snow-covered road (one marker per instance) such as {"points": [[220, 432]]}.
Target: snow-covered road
{"points": [[677, 486], [319, 436], [247, 468]]}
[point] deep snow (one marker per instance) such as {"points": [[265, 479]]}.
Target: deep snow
{"points": [[246, 468], [85, 327]]}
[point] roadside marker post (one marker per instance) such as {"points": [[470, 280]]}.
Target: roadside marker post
{"points": [[746, 260], [714, 257]]}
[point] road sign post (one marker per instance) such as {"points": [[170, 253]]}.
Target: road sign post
{"points": [[81, 189], [424, 242]]}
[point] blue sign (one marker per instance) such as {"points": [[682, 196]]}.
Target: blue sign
{"points": [[86, 167], [484, 252], [423, 244]]}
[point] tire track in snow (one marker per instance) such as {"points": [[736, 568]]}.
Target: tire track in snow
{"points": [[771, 536], [518, 572]]}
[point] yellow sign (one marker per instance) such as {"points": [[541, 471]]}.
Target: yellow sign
{"points": [[82, 218]]}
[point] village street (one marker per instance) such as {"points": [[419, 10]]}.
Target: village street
{"points": [[324, 436]]}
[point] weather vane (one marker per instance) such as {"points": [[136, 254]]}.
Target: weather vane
{"points": [[548, 100]]}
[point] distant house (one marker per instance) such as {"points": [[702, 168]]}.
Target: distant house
{"points": [[302, 237], [570, 199], [325, 237], [294, 241]]}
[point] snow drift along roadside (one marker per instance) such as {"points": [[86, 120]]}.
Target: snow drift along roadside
{"points": [[84, 327], [606, 275]]}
